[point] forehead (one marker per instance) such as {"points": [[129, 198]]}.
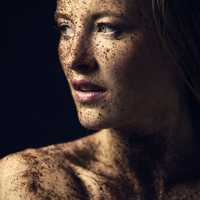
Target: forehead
{"points": [[86, 3], [90, 6]]}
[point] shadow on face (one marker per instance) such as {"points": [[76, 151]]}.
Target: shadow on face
{"points": [[113, 44]]}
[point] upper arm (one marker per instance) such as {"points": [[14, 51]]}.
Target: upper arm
{"points": [[29, 176]]}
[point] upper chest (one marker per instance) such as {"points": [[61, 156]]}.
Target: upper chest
{"points": [[102, 187], [105, 183], [106, 188]]}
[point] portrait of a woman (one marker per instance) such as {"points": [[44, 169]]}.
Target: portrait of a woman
{"points": [[133, 68]]}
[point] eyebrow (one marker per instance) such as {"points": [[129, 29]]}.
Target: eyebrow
{"points": [[94, 16], [61, 15], [108, 14]]}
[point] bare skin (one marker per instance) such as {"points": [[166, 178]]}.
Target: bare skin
{"points": [[144, 147], [84, 169]]}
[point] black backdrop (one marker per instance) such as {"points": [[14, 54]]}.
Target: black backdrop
{"points": [[36, 106]]}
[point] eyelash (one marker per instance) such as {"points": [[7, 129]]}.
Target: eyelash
{"points": [[116, 29], [62, 29]]}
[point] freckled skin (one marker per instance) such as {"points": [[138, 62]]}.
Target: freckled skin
{"points": [[124, 66], [142, 125]]}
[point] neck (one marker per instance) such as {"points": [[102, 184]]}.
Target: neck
{"points": [[162, 158]]}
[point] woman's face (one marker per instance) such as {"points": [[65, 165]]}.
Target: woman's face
{"points": [[113, 43]]}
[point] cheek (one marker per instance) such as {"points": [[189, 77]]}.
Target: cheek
{"points": [[116, 58], [63, 51]]}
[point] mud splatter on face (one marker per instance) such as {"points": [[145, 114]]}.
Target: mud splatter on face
{"points": [[113, 43]]}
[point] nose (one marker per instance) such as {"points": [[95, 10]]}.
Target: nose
{"points": [[80, 54]]}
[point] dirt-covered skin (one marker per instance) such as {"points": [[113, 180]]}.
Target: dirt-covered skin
{"points": [[80, 170], [146, 147], [63, 172]]}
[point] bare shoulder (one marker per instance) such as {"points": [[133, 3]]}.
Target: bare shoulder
{"points": [[44, 173]]}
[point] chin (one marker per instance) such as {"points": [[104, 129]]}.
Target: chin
{"points": [[92, 125], [93, 122], [96, 118]]}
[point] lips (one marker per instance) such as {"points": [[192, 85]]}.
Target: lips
{"points": [[86, 86], [88, 92]]}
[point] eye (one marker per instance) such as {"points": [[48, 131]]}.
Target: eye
{"points": [[65, 30], [109, 29]]}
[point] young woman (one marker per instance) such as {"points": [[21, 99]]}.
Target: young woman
{"points": [[133, 70]]}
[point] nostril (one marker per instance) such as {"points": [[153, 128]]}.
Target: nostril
{"points": [[77, 66], [81, 67], [84, 67]]}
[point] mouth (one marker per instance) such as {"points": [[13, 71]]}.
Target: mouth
{"points": [[85, 86], [88, 92]]}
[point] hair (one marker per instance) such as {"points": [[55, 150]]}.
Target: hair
{"points": [[178, 25]]}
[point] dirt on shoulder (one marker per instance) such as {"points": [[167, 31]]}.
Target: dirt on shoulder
{"points": [[45, 173]]}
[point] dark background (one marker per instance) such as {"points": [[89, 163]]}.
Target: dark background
{"points": [[36, 105]]}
